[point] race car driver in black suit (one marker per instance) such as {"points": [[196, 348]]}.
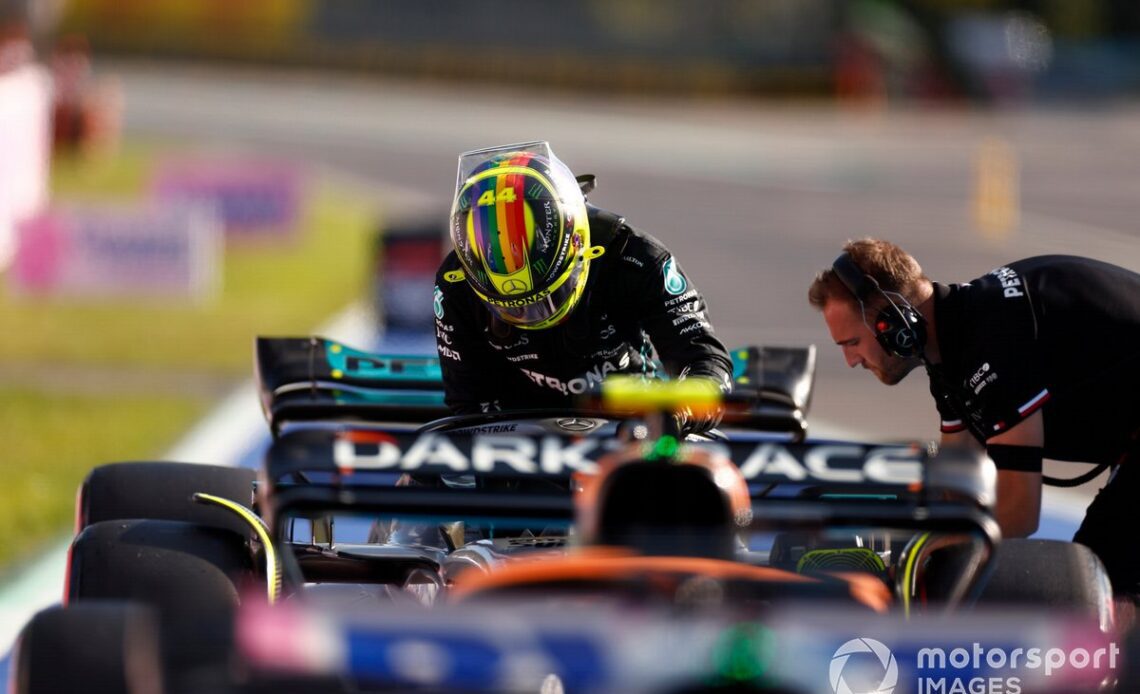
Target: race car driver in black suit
{"points": [[1039, 358], [544, 296]]}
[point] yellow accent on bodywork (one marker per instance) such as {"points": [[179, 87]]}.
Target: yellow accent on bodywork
{"points": [[623, 393], [909, 572], [272, 563]]}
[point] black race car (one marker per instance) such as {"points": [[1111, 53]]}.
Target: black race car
{"points": [[386, 546]]}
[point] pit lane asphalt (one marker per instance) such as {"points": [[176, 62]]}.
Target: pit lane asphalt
{"points": [[753, 198]]}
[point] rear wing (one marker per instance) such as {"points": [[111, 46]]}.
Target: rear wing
{"points": [[321, 469], [777, 384], [509, 481], [314, 378]]}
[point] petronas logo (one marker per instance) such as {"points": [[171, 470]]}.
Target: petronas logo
{"points": [[675, 282], [437, 302]]}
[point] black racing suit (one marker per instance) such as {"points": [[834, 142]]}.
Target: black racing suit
{"points": [[636, 299], [1060, 334]]}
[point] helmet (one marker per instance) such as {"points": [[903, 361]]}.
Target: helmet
{"points": [[520, 231], [691, 504]]}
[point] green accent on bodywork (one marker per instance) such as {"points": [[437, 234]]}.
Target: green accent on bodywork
{"points": [[364, 365], [665, 448], [403, 397], [743, 653], [739, 363], [841, 559]]}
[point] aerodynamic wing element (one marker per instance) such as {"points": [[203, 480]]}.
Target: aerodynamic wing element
{"points": [[316, 378]]}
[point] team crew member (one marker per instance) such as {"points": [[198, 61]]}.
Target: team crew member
{"points": [[1037, 358], [544, 296]]}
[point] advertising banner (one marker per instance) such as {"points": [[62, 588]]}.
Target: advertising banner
{"points": [[25, 95], [256, 198], [116, 251]]}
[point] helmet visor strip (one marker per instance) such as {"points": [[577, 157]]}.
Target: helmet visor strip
{"points": [[548, 307]]}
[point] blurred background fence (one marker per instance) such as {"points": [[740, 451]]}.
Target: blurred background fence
{"points": [[930, 49], [635, 44]]}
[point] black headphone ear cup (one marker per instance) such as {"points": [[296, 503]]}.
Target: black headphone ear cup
{"points": [[901, 332], [899, 329]]}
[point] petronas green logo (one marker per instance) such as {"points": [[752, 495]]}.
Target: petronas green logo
{"points": [[437, 302], [675, 282]]}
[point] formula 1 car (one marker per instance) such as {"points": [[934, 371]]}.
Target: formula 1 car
{"points": [[386, 546]]}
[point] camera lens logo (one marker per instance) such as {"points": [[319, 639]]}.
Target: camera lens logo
{"points": [[863, 666]]}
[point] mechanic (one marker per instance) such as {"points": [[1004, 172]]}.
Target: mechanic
{"points": [[544, 296], [1039, 358]]}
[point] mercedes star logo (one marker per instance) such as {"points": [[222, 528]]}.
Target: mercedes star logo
{"points": [[513, 286], [576, 424]]}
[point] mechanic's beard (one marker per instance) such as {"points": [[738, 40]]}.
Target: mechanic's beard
{"points": [[894, 370]]}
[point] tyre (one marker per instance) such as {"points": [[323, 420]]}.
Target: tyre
{"points": [[179, 568], [162, 491], [1053, 573], [192, 576], [106, 647]]}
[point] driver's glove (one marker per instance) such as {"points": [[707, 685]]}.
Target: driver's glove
{"points": [[690, 422]]}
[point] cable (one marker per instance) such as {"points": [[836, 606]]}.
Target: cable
{"points": [[1078, 480]]}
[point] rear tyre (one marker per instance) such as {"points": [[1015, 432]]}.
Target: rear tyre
{"points": [[163, 491], [176, 567], [192, 576], [1054, 573], [108, 647]]}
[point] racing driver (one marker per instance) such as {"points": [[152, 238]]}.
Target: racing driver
{"points": [[544, 296], [1039, 358]]}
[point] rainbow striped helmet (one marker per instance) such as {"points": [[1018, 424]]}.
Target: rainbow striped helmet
{"points": [[519, 228]]}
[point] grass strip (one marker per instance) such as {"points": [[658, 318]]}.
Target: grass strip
{"points": [[54, 435], [52, 440]]}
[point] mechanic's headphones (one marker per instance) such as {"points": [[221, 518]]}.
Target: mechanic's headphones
{"points": [[899, 327]]}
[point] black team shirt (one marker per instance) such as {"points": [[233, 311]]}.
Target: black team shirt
{"points": [[1055, 333]]}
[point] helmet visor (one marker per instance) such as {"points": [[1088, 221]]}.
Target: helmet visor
{"points": [[518, 220], [548, 308]]}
